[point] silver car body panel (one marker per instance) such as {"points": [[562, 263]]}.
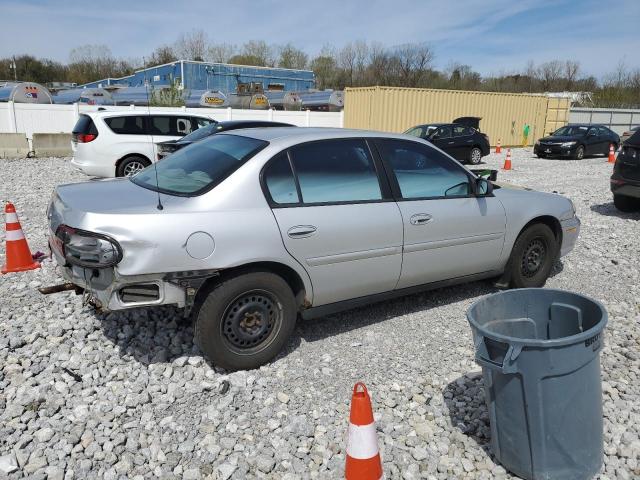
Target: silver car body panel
{"points": [[356, 250]]}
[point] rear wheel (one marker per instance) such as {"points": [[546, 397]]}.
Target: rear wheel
{"points": [[532, 257], [131, 165], [475, 156], [245, 320], [626, 204], [579, 155]]}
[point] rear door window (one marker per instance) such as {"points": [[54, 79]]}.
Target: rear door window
{"points": [[462, 131], [170, 125], [127, 125], [334, 171], [280, 182]]}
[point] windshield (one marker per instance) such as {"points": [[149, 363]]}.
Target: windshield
{"points": [[201, 133], [200, 166], [571, 130]]}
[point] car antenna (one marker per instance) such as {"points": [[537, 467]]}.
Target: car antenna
{"points": [[155, 164]]}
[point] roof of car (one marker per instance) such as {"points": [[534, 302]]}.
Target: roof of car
{"points": [[126, 113], [308, 133]]}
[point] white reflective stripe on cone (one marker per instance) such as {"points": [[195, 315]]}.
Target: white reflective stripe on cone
{"points": [[13, 235], [363, 442], [11, 217]]}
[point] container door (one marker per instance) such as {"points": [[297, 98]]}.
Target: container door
{"points": [[335, 220]]}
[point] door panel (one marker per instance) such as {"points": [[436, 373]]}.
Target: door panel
{"points": [[464, 236], [355, 250], [448, 232]]}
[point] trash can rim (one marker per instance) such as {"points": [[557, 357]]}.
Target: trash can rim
{"points": [[532, 342]]}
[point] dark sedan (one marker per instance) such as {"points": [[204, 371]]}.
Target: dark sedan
{"points": [[461, 139], [625, 181], [576, 141], [170, 146]]}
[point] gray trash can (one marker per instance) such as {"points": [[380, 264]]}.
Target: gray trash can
{"points": [[539, 352]]}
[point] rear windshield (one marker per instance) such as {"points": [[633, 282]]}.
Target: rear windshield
{"points": [[570, 130], [200, 166], [85, 126]]}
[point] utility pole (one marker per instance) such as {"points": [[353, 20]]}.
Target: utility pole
{"points": [[13, 66]]}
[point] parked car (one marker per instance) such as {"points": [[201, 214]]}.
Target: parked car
{"points": [[170, 146], [248, 229], [626, 134], [577, 140], [461, 139], [625, 180], [119, 144]]}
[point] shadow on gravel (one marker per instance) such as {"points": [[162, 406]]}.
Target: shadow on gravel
{"points": [[157, 335], [609, 210], [464, 398], [321, 328]]}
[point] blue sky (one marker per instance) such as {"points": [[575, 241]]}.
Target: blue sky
{"points": [[493, 36]]}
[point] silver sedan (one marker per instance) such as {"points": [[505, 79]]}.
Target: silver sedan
{"points": [[249, 229]]}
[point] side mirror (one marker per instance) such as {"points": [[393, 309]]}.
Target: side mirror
{"points": [[483, 187]]}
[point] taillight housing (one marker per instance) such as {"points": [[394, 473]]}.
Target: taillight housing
{"points": [[86, 137], [88, 249]]}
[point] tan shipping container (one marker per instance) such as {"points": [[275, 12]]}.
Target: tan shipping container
{"points": [[504, 115]]}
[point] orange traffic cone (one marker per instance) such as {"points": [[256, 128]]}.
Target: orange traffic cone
{"points": [[612, 154], [19, 256], [498, 147], [363, 457], [507, 161]]}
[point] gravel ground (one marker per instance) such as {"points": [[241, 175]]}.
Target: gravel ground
{"points": [[128, 395]]}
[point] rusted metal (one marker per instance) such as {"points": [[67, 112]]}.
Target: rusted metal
{"points": [[63, 287]]}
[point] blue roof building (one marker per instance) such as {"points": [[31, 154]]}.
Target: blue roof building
{"points": [[192, 75]]}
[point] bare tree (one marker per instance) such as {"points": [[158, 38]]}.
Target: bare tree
{"points": [[550, 74], [161, 55], [414, 61], [192, 45], [260, 50], [292, 57], [347, 61], [325, 67], [220, 52], [571, 69]]}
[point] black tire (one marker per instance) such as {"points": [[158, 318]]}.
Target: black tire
{"points": [[541, 155], [579, 154], [256, 296], [626, 204], [131, 165], [533, 256], [475, 156]]}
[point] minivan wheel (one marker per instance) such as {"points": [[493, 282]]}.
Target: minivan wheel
{"points": [[579, 155], [626, 204], [475, 156], [533, 256], [131, 166], [245, 320]]}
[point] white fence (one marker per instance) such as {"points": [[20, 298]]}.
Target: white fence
{"points": [[34, 118], [617, 119]]}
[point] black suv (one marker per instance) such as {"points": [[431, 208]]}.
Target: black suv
{"points": [[461, 139], [625, 181], [577, 140]]}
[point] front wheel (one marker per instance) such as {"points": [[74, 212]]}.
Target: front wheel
{"points": [[532, 257], [579, 155], [245, 320], [475, 156]]}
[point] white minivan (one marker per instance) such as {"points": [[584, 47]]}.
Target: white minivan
{"points": [[119, 144]]}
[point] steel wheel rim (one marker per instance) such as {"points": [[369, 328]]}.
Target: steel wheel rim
{"points": [[251, 321], [533, 257], [476, 156], [132, 168]]}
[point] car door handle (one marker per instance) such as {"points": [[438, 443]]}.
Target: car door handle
{"points": [[421, 219], [451, 143], [301, 231]]}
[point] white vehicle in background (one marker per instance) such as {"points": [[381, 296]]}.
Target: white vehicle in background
{"points": [[119, 144]]}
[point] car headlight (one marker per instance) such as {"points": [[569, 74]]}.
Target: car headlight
{"points": [[88, 249], [568, 144]]}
